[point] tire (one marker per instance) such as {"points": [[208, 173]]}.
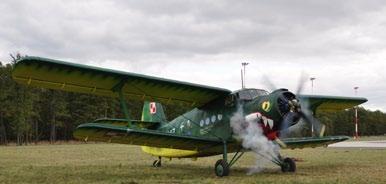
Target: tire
{"points": [[221, 168], [288, 165]]}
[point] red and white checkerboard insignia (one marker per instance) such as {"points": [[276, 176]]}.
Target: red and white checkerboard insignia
{"points": [[153, 108]]}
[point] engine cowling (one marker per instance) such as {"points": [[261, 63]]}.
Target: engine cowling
{"points": [[275, 112]]}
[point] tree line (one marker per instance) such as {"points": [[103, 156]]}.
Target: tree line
{"points": [[29, 114]]}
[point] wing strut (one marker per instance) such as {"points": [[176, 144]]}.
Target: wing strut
{"points": [[118, 89]]}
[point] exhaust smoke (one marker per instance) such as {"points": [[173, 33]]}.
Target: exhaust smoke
{"points": [[249, 132]]}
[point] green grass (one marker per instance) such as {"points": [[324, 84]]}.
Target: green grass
{"points": [[369, 138], [114, 163]]}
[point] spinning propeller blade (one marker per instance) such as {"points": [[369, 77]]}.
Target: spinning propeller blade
{"points": [[302, 81], [318, 127], [292, 115], [268, 83]]}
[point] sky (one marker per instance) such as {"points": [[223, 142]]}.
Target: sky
{"points": [[342, 44]]}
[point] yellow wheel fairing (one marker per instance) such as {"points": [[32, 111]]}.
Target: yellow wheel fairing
{"points": [[168, 152]]}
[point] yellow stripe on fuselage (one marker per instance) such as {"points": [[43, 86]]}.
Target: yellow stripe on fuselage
{"points": [[168, 152]]}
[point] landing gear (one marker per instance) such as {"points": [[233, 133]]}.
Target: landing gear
{"points": [[221, 168], [157, 163], [288, 165]]}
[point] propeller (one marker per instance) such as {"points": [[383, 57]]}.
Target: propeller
{"points": [[268, 83], [287, 121], [302, 81], [291, 105], [272, 87], [318, 127]]}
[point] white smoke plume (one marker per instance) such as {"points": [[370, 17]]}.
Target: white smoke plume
{"points": [[248, 131]]}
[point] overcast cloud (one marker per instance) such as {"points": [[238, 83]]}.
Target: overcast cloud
{"points": [[341, 43]]}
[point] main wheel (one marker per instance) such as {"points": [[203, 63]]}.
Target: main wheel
{"points": [[221, 168], [288, 165]]}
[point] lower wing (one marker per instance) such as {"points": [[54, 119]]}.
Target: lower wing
{"points": [[144, 137], [115, 133], [312, 142]]}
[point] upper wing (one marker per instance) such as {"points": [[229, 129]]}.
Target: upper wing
{"points": [[318, 103], [306, 142], [54, 74]]}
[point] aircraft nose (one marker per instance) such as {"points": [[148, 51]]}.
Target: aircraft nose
{"points": [[259, 118], [287, 102], [289, 108]]}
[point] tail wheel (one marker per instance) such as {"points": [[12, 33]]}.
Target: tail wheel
{"points": [[221, 168], [288, 165], [157, 163]]}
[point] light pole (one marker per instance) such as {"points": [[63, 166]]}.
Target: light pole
{"points": [[356, 114], [242, 79], [243, 64], [312, 84], [312, 92]]}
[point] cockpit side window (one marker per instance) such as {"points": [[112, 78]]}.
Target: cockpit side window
{"points": [[249, 94], [261, 92], [230, 101], [245, 95], [253, 93]]}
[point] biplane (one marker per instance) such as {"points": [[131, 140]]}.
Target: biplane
{"points": [[202, 131]]}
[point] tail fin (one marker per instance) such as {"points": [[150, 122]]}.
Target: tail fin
{"points": [[153, 112]]}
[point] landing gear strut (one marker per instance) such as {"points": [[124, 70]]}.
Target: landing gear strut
{"points": [[221, 168], [286, 164], [157, 163]]}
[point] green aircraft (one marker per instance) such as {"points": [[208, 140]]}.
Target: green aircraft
{"points": [[203, 131]]}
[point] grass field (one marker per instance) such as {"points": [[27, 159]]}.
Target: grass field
{"points": [[369, 138], [114, 163]]}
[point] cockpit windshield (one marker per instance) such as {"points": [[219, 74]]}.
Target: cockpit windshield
{"points": [[250, 94]]}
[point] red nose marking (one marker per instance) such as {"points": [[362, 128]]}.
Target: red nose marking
{"points": [[268, 132], [272, 135]]}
